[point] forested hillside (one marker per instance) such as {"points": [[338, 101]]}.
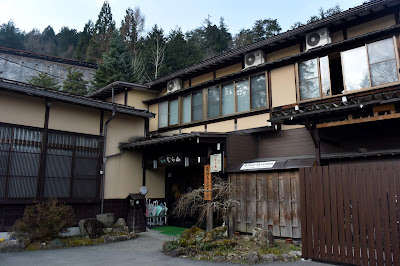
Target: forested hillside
{"points": [[128, 53]]}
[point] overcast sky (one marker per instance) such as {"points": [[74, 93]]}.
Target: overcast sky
{"points": [[188, 14]]}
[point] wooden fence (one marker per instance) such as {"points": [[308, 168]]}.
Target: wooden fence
{"points": [[350, 213], [269, 201]]}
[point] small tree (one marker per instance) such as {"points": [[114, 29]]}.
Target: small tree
{"points": [[224, 196], [45, 81], [75, 83], [43, 221]]}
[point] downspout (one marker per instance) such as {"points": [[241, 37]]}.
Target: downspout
{"points": [[105, 160], [104, 153]]}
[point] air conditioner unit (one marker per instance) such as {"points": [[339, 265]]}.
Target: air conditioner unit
{"points": [[317, 38], [174, 85], [254, 58]]}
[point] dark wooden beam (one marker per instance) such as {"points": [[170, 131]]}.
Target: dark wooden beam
{"points": [[43, 152], [317, 142]]}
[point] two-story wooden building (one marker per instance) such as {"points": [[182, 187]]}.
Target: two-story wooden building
{"points": [[323, 93]]}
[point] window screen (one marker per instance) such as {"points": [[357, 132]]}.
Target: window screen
{"points": [[228, 99], [187, 109], [213, 102], [163, 114]]}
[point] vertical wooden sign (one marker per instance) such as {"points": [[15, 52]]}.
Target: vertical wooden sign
{"points": [[207, 183]]}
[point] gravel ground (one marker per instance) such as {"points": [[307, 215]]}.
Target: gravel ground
{"points": [[143, 250]]}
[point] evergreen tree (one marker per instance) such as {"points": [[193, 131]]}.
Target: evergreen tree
{"points": [[131, 28], [11, 36], [45, 81], [116, 66], [75, 83], [179, 52], [48, 41], [103, 31], [212, 39], [67, 39], [262, 29], [84, 39]]}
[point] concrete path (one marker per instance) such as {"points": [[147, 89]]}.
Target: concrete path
{"points": [[143, 250]]}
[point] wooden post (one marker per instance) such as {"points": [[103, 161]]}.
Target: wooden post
{"points": [[208, 196], [315, 137]]}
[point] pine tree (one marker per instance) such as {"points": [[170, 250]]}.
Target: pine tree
{"points": [[131, 28], [67, 40], [11, 36], [44, 80], [103, 31], [116, 66], [84, 39], [75, 83]]}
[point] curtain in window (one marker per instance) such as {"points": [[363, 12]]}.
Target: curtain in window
{"points": [[187, 109], [163, 114], [173, 112], [197, 106], [228, 99]]}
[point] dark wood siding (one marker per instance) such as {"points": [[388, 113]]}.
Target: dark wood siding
{"points": [[240, 148], [286, 143]]}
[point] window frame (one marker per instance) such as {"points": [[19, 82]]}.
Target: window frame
{"points": [[394, 39]]}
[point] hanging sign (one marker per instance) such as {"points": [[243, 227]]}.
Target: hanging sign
{"points": [[215, 163], [207, 183], [171, 159], [258, 165]]}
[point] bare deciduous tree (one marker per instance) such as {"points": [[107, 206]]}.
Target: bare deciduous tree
{"points": [[158, 53], [224, 196]]}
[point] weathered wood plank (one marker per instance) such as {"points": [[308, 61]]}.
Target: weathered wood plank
{"points": [[303, 213], [383, 192], [355, 212], [340, 206], [370, 216], [295, 194], [275, 203], [335, 230], [321, 215], [393, 212], [347, 211], [314, 177], [309, 214], [361, 184], [327, 206], [377, 213]]}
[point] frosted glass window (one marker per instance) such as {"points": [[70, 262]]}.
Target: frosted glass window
{"points": [[173, 112], [382, 62], [258, 91], [162, 114], [213, 102], [228, 99], [355, 69], [308, 79], [197, 106], [187, 109], [243, 95]]}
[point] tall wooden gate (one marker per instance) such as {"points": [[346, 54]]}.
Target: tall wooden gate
{"points": [[350, 213], [269, 201]]}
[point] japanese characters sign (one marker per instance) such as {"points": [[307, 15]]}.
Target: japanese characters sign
{"points": [[215, 163], [171, 159], [207, 183]]}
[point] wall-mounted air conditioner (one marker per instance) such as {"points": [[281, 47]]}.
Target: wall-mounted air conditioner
{"points": [[317, 38], [174, 85], [254, 58]]}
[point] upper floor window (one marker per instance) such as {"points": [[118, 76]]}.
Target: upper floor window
{"points": [[213, 102], [363, 67], [258, 91], [163, 114], [228, 99], [197, 106], [173, 112], [243, 95], [187, 109]]}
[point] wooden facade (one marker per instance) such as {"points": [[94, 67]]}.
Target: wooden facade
{"points": [[269, 201], [349, 213]]}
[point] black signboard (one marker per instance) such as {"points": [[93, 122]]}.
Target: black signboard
{"points": [[171, 159]]}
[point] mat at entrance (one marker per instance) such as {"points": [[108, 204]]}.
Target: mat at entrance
{"points": [[170, 230]]}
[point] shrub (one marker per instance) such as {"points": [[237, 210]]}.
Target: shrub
{"points": [[43, 221]]}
